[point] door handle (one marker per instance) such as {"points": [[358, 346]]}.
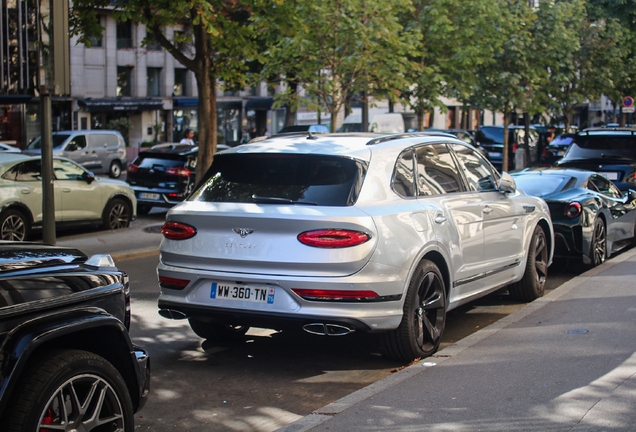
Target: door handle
{"points": [[440, 219], [26, 191], [487, 209], [66, 190]]}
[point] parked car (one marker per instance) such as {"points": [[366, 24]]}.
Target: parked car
{"points": [[557, 148], [610, 152], [305, 128], [491, 138], [99, 151], [592, 218], [462, 135], [355, 232], [79, 197], [6, 147], [69, 363]]}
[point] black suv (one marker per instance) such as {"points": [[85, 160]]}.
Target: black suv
{"points": [[67, 361], [610, 152], [163, 175], [491, 138]]}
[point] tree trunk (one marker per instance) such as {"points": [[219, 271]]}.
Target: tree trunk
{"points": [[420, 120], [504, 153], [207, 118], [290, 110]]}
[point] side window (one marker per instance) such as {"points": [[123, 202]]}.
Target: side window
{"points": [[605, 186], [437, 172], [403, 177], [477, 171], [66, 170], [29, 171], [77, 143]]}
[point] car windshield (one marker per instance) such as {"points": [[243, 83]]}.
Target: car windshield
{"points": [[490, 135], [541, 185], [58, 140], [603, 146], [150, 162], [282, 178]]}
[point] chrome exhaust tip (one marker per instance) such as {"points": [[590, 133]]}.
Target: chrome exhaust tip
{"points": [[322, 329], [172, 314]]}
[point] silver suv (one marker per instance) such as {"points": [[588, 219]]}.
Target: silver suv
{"points": [[338, 233], [99, 151]]}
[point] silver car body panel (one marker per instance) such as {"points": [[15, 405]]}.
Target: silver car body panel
{"points": [[482, 237]]}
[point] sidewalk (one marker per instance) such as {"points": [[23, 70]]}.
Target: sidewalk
{"points": [[565, 362]]}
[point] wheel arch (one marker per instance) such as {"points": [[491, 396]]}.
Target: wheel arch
{"points": [[438, 259], [19, 207], [549, 237], [84, 330], [123, 197]]}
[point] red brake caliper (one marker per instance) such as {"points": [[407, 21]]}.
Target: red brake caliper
{"points": [[48, 419]]}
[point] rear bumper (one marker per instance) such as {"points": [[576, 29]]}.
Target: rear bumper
{"points": [[162, 199]]}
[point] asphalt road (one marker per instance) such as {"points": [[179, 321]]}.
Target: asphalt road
{"points": [[272, 378]]}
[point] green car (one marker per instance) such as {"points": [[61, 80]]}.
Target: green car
{"points": [[80, 197]]}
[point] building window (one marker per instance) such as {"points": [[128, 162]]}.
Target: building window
{"points": [[124, 81], [124, 35], [180, 76], [154, 81], [151, 43], [95, 41]]}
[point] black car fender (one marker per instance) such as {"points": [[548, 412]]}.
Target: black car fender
{"points": [[87, 328]]}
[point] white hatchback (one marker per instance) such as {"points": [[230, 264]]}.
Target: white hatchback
{"points": [[350, 232]]}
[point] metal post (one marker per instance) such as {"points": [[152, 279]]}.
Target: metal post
{"points": [[48, 202]]}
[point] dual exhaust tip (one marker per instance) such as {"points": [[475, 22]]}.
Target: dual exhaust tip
{"points": [[320, 329]]}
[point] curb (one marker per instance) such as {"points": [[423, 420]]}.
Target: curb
{"points": [[325, 413]]}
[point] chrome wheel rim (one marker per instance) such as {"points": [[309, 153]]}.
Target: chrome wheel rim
{"points": [[599, 244], [118, 217], [115, 170], [430, 312], [13, 228], [83, 403], [541, 258]]}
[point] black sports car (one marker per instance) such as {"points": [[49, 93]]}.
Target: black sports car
{"points": [[592, 218]]}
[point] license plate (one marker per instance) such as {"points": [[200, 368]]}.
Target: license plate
{"points": [[261, 294], [150, 196], [610, 175], [494, 154]]}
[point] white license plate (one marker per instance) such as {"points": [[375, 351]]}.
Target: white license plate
{"points": [[610, 175], [150, 196], [259, 294], [494, 154]]}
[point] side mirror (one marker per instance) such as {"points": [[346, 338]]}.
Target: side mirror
{"points": [[88, 177], [506, 183]]}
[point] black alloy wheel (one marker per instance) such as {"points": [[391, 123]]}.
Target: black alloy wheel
{"points": [[598, 250], [532, 284], [117, 215], [424, 319]]}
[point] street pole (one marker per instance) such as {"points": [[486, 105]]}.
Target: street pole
{"points": [[48, 203]]}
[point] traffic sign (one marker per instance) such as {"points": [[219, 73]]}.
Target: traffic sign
{"points": [[628, 110], [628, 102]]}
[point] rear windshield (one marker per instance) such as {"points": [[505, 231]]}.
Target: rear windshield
{"points": [[562, 140], [282, 179], [58, 140], [603, 146], [541, 185], [148, 161], [488, 135]]}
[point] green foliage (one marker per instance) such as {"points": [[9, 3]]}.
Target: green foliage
{"points": [[123, 125]]}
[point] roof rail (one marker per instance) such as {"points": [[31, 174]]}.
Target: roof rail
{"points": [[409, 135]]}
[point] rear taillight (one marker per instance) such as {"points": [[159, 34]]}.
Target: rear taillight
{"points": [[132, 168], [333, 238], [178, 231], [573, 210], [317, 294], [173, 283], [179, 172]]}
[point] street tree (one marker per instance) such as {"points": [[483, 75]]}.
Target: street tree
{"points": [[505, 81], [215, 41], [338, 47]]}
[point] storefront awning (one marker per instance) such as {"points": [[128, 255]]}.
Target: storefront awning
{"points": [[259, 104], [114, 105], [6, 99]]}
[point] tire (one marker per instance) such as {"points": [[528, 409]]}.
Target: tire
{"points": [[598, 246], [14, 225], [114, 171], [59, 375], [532, 284], [218, 332], [424, 318], [117, 215], [143, 209]]}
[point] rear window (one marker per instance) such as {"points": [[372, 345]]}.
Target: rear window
{"points": [[58, 140], [541, 185], [603, 146], [282, 179], [154, 162], [488, 135]]}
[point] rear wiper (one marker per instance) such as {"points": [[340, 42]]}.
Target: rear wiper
{"points": [[273, 200]]}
